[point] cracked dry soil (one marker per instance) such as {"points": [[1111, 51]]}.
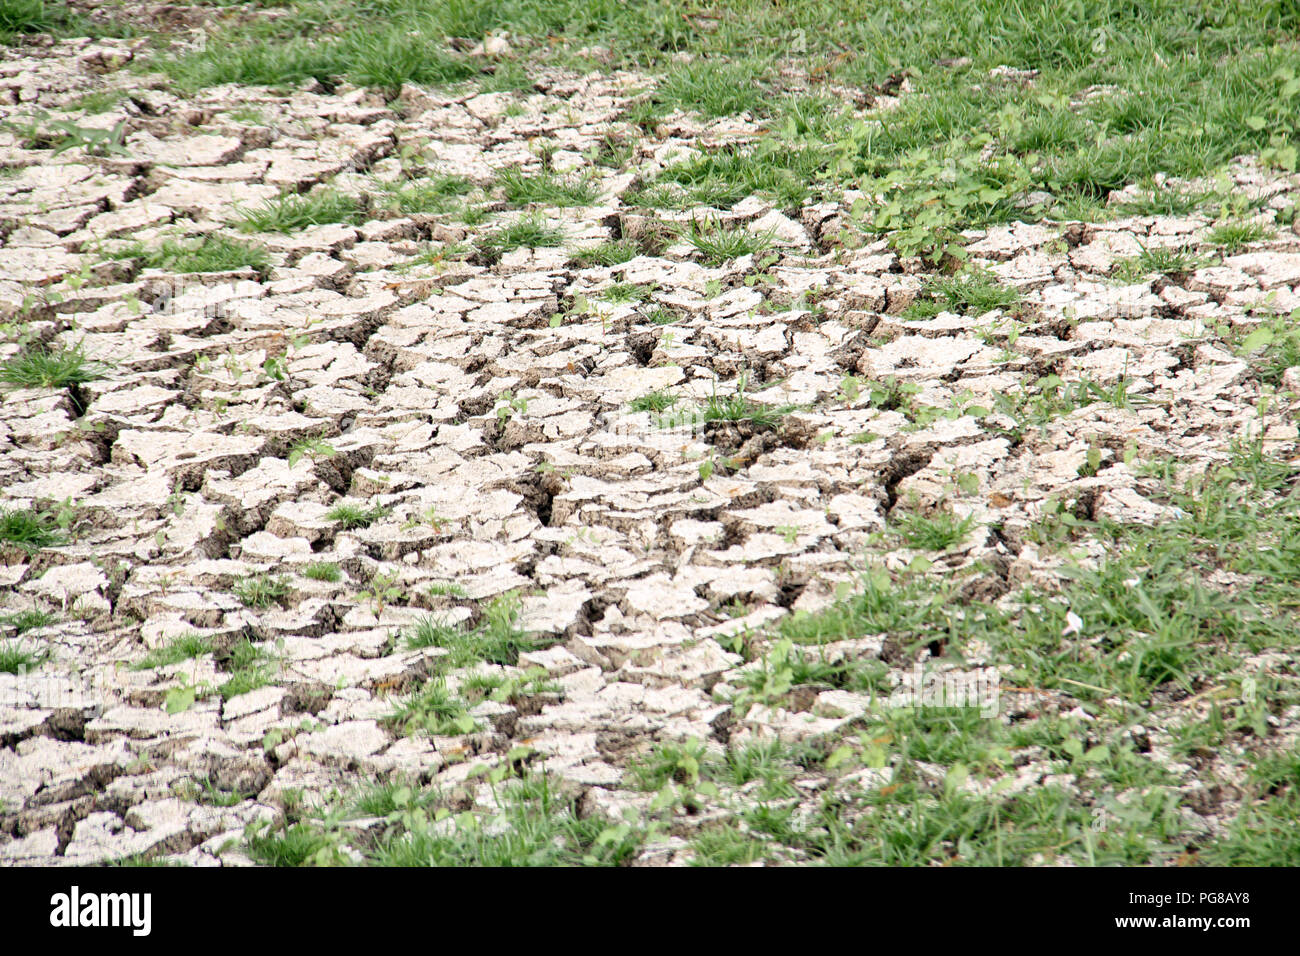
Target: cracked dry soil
{"points": [[477, 407]]}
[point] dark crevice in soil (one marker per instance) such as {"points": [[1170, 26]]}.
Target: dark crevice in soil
{"points": [[904, 465], [306, 698], [590, 613], [642, 346], [539, 491], [79, 399], [789, 593]]}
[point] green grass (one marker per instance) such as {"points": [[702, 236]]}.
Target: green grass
{"points": [[445, 589], [972, 291], [27, 16], [738, 407], [1051, 398], [784, 172], [426, 194], [529, 232], [213, 253], [623, 292], [917, 826], [350, 516], [39, 367], [497, 639], [712, 88], [1150, 600], [292, 212], [17, 659], [717, 244], [545, 189], [1235, 236], [182, 648], [473, 215], [23, 17], [250, 667], [98, 101], [1165, 201], [611, 253], [532, 825], [369, 51], [966, 150], [1148, 620], [30, 620], [261, 590], [937, 532], [1273, 347], [432, 710], [668, 762], [323, 571], [390, 796], [657, 401], [1164, 261], [209, 794], [30, 530], [734, 407], [294, 845], [1264, 834], [662, 316]]}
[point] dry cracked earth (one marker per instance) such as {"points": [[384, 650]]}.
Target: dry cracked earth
{"points": [[473, 415]]}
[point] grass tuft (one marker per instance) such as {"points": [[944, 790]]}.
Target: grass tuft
{"points": [[17, 659], [1164, 261], [938, 532], [972, 291], [323, 571], [182, 648], [30, 530], [261, 590], [545, 189], [612, 253], [352, 516], [40, 367], [29, 620], [209, 254], [292, 212], [529, 232], [657, 401], [498, 638], [1235, 236], [718, 244], [426, 195]]}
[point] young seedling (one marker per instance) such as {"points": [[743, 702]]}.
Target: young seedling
{"points": [[509, 405], [313, 448], [382, 591]]}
